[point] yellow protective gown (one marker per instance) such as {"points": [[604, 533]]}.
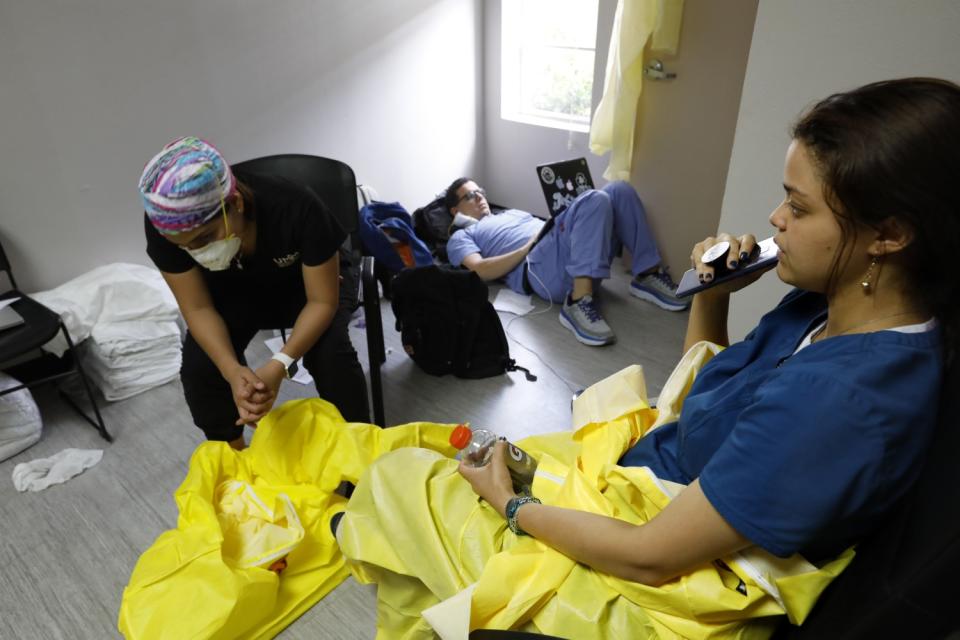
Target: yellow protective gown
{"points": [[615, 120], [443, 557], [242, 511]]}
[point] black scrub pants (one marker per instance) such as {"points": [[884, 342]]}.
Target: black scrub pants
{"points": [[332, 361]]}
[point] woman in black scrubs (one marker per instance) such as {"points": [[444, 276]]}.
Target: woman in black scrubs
{"points": [[244, 252]]}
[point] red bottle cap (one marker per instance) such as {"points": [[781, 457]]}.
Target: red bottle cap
{"points": [[461, 435]]}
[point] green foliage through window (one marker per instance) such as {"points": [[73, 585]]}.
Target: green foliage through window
{"points": [[547, 65]]}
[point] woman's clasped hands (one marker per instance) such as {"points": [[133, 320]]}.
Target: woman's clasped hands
{"points": [[255, 392]]}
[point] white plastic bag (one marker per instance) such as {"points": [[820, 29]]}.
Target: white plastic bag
{"points": [[20, 422]]}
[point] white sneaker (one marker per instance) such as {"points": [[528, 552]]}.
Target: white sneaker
{"points": [[586, 323]]}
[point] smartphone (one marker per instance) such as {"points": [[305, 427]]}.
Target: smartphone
{"points": [[764, 256]]}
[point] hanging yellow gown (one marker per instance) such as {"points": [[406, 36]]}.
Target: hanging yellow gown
{"points": [[636, 23]]}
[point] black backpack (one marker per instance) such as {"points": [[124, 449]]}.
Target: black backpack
{"points": [[431, 223], [447, 324]]}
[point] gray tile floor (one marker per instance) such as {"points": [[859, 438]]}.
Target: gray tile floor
{"points": [[66, 553]]}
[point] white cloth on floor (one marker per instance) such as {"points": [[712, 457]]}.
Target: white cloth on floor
{"points": [[512, 302], [39, 474]]}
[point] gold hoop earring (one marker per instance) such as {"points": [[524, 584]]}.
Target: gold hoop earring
{"points": [[867, 283]]}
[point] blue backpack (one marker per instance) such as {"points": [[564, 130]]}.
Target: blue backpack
{"points": [[386, 232]]}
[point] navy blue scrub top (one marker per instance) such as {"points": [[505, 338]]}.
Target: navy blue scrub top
{"points": [[804, 452]]}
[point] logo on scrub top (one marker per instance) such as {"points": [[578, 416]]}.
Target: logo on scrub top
{"points": [[287, 260]]}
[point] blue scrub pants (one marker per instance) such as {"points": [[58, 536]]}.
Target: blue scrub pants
{"points": [[584, 239]]}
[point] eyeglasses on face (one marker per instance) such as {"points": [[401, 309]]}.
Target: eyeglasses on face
{"points": [[471, 196]]}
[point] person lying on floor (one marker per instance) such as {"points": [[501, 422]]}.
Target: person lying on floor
{"points": [[803, 436], [572, 255]]}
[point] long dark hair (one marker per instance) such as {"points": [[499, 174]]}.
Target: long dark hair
{"points": [[892, 149]]}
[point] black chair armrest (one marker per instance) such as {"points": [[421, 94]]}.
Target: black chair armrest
{"points": [[376, 353]]}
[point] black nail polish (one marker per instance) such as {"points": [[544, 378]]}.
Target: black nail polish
{"points": [[708, 277], [744, 255], [733, 264], [701, 277]]}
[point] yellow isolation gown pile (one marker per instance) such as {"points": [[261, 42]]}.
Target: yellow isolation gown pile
{"points": [[446, 563], [240, 512], [440, 556]]}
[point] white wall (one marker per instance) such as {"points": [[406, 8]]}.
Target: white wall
{"points": [[512, 150], [804, 51], [90, 90]]}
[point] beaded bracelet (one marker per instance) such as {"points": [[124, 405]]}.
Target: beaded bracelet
{"points": [[513, 506]]}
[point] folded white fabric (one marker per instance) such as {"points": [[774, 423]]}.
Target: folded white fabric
{"points": [[109, 294], [118, 339], [127, 323], [130, 376], [39, 474]]}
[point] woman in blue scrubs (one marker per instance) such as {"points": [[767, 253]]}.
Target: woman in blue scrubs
{"points": [[802, 437]]}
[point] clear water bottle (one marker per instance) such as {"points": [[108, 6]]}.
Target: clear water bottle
{"points": [[476, 449]]}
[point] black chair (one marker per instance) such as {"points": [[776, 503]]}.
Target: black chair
{"points": [[902, 581], [20, 354], [334, 182]]}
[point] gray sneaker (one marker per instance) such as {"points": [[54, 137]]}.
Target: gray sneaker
{"points": [[586, 323], [659, 288]]}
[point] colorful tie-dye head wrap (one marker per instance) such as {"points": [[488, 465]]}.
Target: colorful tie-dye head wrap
{"points": [[184, 186]]}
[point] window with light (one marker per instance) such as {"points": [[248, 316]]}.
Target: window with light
{"points": [[548, 49]]}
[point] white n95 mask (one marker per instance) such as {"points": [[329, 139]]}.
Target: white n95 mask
{"points": [[217, 255]]}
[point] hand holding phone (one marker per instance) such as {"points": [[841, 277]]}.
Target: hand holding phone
{"points": [[763, 257]]}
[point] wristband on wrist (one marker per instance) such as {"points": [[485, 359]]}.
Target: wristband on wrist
{"points": [[289, 364], [513, 506]]}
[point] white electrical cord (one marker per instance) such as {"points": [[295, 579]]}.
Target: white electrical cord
{"points": [[530, 315]]}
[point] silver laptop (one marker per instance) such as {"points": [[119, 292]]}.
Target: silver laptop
{"points": [[9, 318]]}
